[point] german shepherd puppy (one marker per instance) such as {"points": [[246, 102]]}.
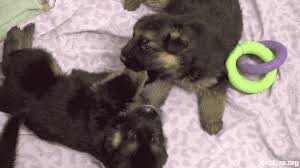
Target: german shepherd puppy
{"points": [[84, 111], [187, 44]]}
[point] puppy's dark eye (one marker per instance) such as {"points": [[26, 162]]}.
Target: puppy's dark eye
{"points": [[132, 136], [145, 45]]}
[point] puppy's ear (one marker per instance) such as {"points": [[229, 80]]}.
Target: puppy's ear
{"points": [[125, 87]]}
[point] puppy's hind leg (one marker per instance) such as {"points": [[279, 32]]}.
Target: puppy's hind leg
{"points": [[17, 39], [13, 41], [28, 35], [9, 142]]}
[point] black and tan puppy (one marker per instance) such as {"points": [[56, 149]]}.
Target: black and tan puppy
{"points": [[187, 45], [84, 111]]}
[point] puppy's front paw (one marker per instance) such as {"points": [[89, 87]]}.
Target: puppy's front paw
{"points": [[28, 35], [13, 39], [132, 5], [211, 106], [212, 127]]}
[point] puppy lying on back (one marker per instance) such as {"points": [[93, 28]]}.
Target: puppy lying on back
{"points": [[187, 45], [84, 111]]}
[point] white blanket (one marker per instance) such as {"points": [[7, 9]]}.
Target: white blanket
{"points": [[259, 129]]}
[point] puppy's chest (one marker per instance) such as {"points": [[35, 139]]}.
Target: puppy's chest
{"points": [[196, 86]]}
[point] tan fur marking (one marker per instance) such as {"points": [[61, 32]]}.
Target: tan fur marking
{"points": [[149, 35], [116, 139], [169, 60], [56, 68], [175, 35], [157, 4]]}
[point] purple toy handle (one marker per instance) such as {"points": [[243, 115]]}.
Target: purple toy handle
{"points": [[277, 48]]}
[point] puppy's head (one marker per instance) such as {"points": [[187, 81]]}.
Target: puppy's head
{"points": [[174, 46], [136, 140], [162, 43]]}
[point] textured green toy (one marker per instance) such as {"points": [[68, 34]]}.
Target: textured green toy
{"points": [[240, 82]]}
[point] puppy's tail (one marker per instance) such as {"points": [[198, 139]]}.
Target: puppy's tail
{"points": [[9, 141]]}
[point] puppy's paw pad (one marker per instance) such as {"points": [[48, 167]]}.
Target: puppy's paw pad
{"points": [[212, 127]]}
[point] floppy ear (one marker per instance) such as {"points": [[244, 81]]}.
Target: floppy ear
{"points": [[175, 41], [124, 87]]}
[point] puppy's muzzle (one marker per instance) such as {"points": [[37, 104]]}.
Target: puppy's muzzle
{"points": [[132, 64]]}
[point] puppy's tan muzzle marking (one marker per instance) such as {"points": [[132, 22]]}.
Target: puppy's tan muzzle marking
{"points": [[167, 59]]}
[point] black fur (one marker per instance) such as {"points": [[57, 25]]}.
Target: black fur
{"points": [[187, 43], [207, 33], [79, 111], [9, 142]]}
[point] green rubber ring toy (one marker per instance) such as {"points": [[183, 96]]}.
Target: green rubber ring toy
{"points": [[240, 82]]}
